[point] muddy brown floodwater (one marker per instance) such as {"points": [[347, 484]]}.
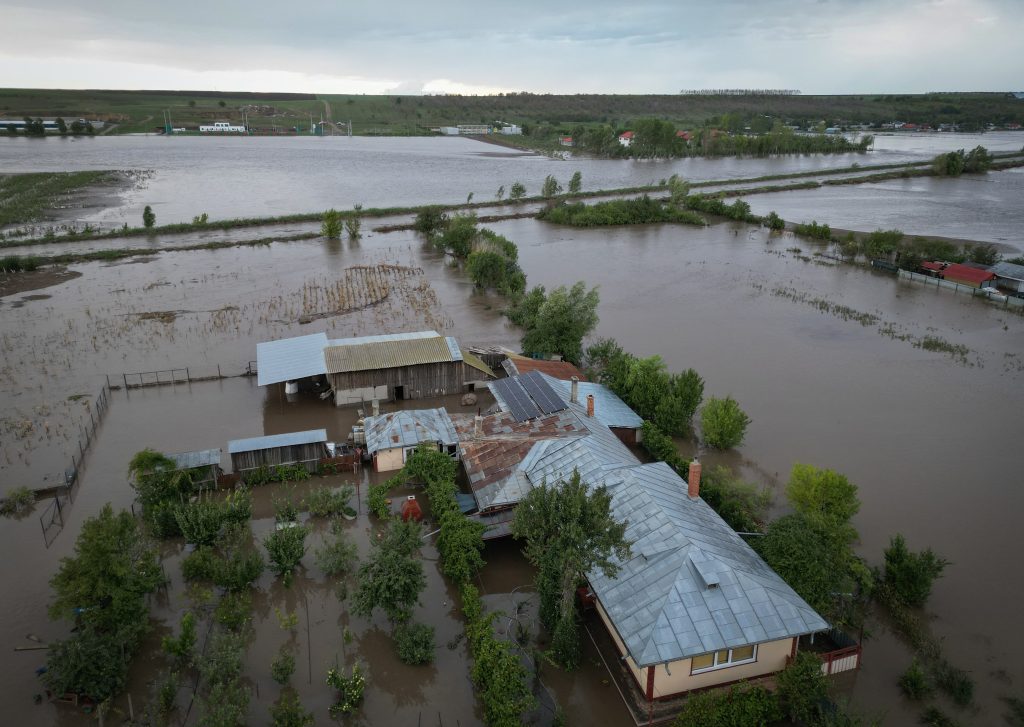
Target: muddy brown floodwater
{"points": [[821, 355]]}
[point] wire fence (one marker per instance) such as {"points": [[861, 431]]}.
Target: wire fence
{"points": [[52, 519], [173, 377], [1007, 301]]}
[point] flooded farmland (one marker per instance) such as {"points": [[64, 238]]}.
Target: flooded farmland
{"points": [[926, 436]]}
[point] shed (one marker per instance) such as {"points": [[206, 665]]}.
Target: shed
{"points": [[203, 466], [964, 275], [1009, 276], [515, 365], [400, 366], [290, 359], [392, 437], [294, 448]]}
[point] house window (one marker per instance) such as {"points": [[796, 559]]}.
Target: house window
{"points": [[723, 658]]}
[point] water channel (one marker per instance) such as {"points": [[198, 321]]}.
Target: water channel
{"points": [[928, 437]]}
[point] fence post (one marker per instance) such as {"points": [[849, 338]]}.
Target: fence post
{"points": [[108, 380], [187, 376], [125, 381], [218, 372]]}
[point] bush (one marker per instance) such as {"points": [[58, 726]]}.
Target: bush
{"points": [[637, 211], [909, 574], [324, 502], [338, 557], [288, 712], [377, 500], [234, 610], [517, 191], [458, 236], [956, 683], [937, 718], [17, 501], [914, 682], [813, 230], [737, 707], [773, 222], [802, 687], [148, 217], [415, 643], [180, 649], [330, 226], [722, 422], [285, 547], [283, 666], [20, 263], [430, 220], [739, 503], [350, 690], [551, 187]]}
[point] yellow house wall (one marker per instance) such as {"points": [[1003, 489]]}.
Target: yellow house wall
{"points": [[771, 657], [389, 459]]}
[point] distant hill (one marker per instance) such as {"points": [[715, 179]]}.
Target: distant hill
{"points": [[135, 111]]}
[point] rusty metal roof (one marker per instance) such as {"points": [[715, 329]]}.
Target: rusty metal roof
{"points": [[387, 354], [409, 427]]}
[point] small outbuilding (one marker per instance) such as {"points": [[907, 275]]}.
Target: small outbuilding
{"points": [[515, 365], [202, 466], [1009, 276], [392, 437], [966, 275], [294, 448]]}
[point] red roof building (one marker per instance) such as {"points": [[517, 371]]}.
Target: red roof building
{"points": [[684, 135], [564, 370], [933, 267], [965, 275]]}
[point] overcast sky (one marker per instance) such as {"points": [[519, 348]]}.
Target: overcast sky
{"points": [[590, 46]]}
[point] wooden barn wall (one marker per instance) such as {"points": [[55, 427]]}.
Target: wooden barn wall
{"points": [[420, 381], [309, 455]]}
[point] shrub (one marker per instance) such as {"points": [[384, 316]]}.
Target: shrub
{"points": [[234, 610], [330, 225], [148, 217], [415, 643], [802, 687], [201, 219], [739, 503], [517, 191], [551, 187], [430, 220], [737, 707], [813, 230], [914, 682], [773, 222], [20, 263], [338, 557], [180, 649], [350, 690], [202, 564], [17, 501], [955, 682], [285, 548], [909, 574], [723, 423], [283, 666], [377, 500], [288, 712], [937, 718]]}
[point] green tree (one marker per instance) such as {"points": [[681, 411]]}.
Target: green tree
{"points": [[802, 688], [62, 127], [180, 648], [458, 236], [910, 574], [330, 226], [415, 643], [431, 220], [809, 562], [148, 217], [517, 191], [722, 423], [353, 223], [566, 317], [738, 707], [285, 548], [678, 189], [551, 187], [569, 531], [983, 253], [826, 498], [288, 710], [576, 183], [392, 577]]}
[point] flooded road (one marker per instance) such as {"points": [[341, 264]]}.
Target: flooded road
{"points": [[928, 437], [266, 176]]}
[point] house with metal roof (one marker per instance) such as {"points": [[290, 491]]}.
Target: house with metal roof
{"points": [[290, 449], [1009, 276], [366, 368], [392, 437], [966, 275], [694, 606]]}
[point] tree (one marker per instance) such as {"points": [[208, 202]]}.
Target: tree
{"points": [[62, 127], [458, 236], [517, 191], [826, 498], [353, 223], [983, 253], [415, 643], [576, 183], [562, 322], [569, 531], [432, 219], [551, 187], [739, 503], [802, 688], [288, 710], [392, 578], [330, 227], [910, 574], [222, 103], [805, 559], [148, 217], [723, 423], [285, 548]]}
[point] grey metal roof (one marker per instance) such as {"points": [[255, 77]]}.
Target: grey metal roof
{"points": [[609, 409], [290, 358], [271, 441], [385, 354], [409, 427], [692, 585], [383, 338], [200, 458], [1008, 270]]}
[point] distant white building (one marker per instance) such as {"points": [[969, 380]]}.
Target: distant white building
{"points": [[512, 130], [222, 127], [474, 129], [450, 130]]}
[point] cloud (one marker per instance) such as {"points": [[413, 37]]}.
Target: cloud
{"points": [[648, 46]]}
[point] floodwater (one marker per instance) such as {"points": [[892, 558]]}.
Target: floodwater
{"points": [[266, 176], [927, 437]]}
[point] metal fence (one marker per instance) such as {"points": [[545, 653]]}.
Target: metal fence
{"points": [[172, 377], [1007, 301], [52, 519]]}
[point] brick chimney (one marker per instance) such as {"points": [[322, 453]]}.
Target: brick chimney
{"points": [[590, 405], [574, 391], [694, 479]]}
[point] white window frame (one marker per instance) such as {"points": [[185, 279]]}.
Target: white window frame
{"points": [[725, 664]]}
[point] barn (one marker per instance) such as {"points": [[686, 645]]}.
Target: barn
{"points": [[202, 466]]}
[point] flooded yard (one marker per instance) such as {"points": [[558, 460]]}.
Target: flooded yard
{"points": [[824, 357]]}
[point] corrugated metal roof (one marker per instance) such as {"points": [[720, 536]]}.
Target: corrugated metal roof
{"points": [[609, 409], [199, 458], [387, 354], [962, 272], [277, 440], [409, 427], [383, 338], [473, 362], [290, 358], [559, 369], [1009, 270]]}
